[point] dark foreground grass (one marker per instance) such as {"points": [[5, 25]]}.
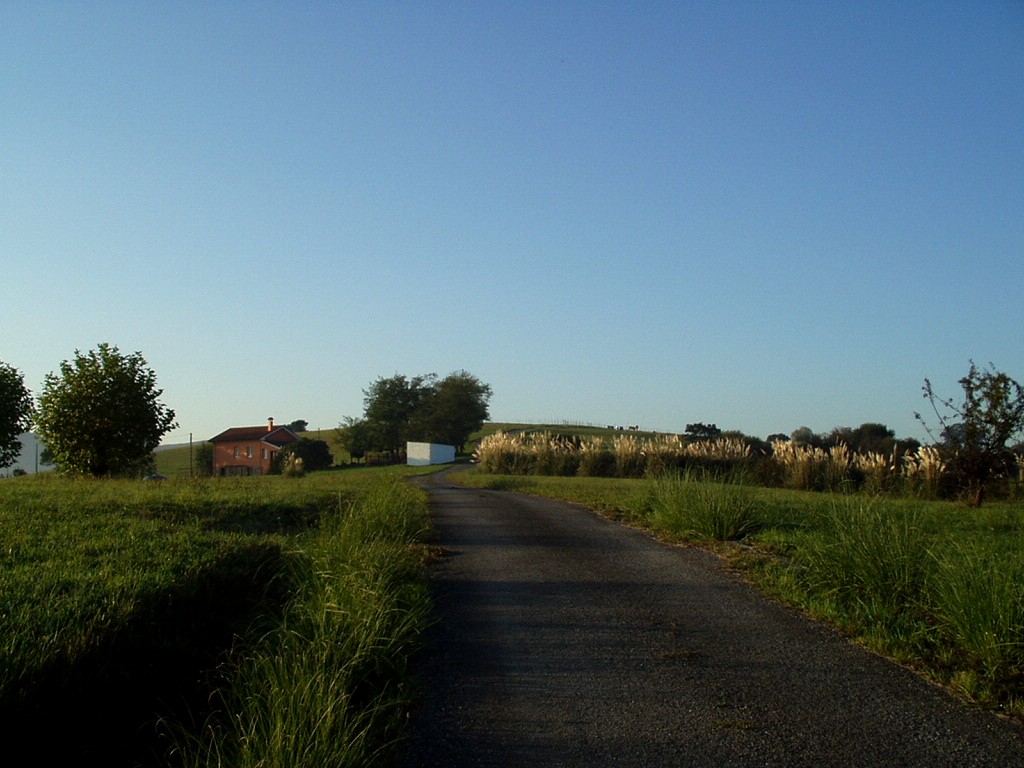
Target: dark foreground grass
{"points": [[935, 585], [130, 610], [328, 684]]}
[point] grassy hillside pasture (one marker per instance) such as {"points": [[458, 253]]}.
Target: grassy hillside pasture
{"points": [[126, 603], [175, 462], [932, 584]]}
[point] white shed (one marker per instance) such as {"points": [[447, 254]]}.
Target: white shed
{"points": [[422, 454]]}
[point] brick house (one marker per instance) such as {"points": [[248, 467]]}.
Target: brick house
{"points": [[249, 450]]}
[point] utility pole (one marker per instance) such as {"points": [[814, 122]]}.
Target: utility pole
{"points": [[190, 456]]}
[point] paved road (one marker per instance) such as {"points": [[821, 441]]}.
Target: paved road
{"points": [[564, 639]]}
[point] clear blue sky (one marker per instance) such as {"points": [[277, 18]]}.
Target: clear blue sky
{"points": [[762, 215]]}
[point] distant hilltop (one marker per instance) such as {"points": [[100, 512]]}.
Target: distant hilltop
{"points": [[169, 446]]}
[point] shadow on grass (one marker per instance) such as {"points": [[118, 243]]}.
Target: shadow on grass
{"points": [[108, 706]]}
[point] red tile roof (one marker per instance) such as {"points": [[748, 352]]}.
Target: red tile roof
{"points": [[278, 436]]}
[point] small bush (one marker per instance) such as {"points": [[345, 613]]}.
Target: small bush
{"points": [[330, 684]]}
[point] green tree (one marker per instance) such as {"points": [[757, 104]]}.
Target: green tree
{"points": [[391, 404], [354, 436], [101, 416], [315, 455], [805, 436], [203, 459], [452, 409], [975, 432], [702, 431], [420, 408], [15, 413], [870, 437]]}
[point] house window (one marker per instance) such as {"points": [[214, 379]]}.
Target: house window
{"points": [[264, 454], [248, 451], [236, 451]]}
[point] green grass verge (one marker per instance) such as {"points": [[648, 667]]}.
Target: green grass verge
{"points": [[328, 684], [133, 613]]}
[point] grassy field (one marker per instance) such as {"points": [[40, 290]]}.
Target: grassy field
{"points": [[934, 585], [174, 623], [176, 462]]}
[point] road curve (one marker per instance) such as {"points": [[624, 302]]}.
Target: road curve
{"points": [[565, 639]]}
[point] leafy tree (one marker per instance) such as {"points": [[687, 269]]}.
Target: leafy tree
{"points": [[355, 436], [390, 406], [869, 437], [315, 455], [907, 445], [203, 459], [757, 445], [101, 416], [805, 436], [702, 431], [975, 432], [15, 413], [866, 437], [299, 425], [452, 409], [421, 408]]}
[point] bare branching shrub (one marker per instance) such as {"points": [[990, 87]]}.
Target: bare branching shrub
{"points": [[974, 434]]}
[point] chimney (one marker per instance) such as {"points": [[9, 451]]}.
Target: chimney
{"points": [[270, 424]]}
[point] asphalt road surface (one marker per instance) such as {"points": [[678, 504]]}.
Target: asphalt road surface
{"points": [[565, 639]]}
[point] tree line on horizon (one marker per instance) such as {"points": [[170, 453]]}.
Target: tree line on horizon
{"points": [[101, 415], [869, 437]]}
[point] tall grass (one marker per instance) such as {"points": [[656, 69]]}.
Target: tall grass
{"points": [[625, 456], [695, 506], [978, 596], [328, 686], [783, 463], [118, 599], [870, 558]]}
